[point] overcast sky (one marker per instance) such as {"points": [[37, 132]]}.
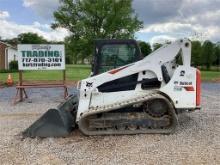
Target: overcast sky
{"points": [[163, 19]]}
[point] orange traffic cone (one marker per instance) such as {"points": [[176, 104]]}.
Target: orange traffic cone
{"points": [[9, 80]]}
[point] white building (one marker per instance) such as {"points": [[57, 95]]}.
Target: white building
{"points": [[8, 53]]}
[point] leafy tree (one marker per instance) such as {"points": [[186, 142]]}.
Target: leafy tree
{"points": [[207, 54], [217, 55], [75, 50], [196, 53], [156, 46], [94, 19], [70, 50], [145, 48], [31, 38]]}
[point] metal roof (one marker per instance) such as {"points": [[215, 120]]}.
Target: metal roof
{"points": [[8, 45]]}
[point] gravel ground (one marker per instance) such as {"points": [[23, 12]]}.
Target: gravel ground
{"points": [[196, 141]]}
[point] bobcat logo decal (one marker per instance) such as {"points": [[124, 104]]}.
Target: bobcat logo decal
{"points": [[89, 84]]}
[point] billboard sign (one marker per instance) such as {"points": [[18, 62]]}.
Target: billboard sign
{"points": [[41, 57]]}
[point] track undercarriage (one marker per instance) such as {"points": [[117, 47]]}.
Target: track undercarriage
{"points": [[155, 115]]}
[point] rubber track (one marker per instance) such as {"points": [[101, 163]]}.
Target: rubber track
{"points": [[107, 108]]}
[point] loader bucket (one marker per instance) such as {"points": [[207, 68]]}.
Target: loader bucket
{"points": [[55, 122]]}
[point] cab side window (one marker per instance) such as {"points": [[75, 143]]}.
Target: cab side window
{"points": [[115, 55]]}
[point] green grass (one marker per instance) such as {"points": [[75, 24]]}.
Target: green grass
{"points": [[73, 72], [210, 75], [78, 72]]}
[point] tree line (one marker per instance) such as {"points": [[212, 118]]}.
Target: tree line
{"points": [[107, 19], [204, 54]]}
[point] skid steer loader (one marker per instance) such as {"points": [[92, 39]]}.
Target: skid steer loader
{"points": [[127, 94]]}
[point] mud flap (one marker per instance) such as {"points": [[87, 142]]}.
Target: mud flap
{"points": [[55, 122]]}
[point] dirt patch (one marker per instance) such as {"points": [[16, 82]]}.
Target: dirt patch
{"points": [[67, 82], [217, 80], [71, 83], [21, 115]]}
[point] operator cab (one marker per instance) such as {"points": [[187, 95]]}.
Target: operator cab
{"points": [[111, 54]]}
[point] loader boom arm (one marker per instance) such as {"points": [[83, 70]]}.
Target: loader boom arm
{"points": [[168, 52]]}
